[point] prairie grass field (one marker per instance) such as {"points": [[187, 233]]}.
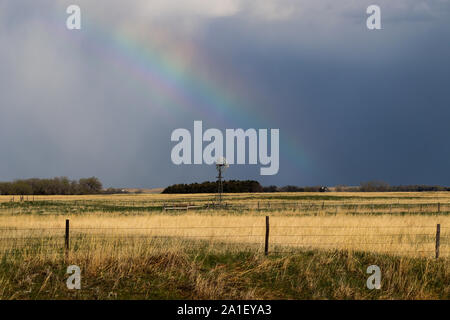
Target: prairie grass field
{"points": [[138, 246]]}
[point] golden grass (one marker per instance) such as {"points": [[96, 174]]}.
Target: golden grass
{"points": [[210, 275], [160, 254], [384, 197], [299, 203], [310, 225], [412, 235]]}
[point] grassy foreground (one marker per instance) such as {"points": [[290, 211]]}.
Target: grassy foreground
{"points": [[129, 247], [206, 274]]}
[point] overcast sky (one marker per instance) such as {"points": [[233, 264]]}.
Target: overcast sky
{"points": [[351, 104]]}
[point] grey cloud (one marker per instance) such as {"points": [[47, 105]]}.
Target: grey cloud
{"points": [[359, 105]]}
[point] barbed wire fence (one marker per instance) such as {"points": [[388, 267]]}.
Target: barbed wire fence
{"points": [[269, 239]]}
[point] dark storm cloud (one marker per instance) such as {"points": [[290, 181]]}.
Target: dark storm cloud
{"points": [[359, 104], [366, 106]]}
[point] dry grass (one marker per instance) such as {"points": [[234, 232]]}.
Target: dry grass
{"points": [[354, 197], [210, 274], [402, 235], [218, 254], [297, 203]]}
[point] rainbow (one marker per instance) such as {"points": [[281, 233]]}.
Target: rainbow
{"points": [[178, 86]]}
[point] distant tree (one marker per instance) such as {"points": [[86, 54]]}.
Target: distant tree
{"points": [[270, 189], [21, 188], [5, 188], [90, 185], [59, 185], [374, 186]]}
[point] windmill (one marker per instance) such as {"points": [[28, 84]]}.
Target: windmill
{"points": [[221, 165]]}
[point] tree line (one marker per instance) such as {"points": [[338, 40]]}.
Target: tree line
{"points": [[381, 186], [230, 186], [237, 186], [92, 185], [55, 186], [295, 189]]}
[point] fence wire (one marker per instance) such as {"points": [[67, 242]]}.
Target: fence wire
{"points": [[374, 238]]}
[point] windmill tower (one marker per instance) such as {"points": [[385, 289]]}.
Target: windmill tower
{"points": [[221, 165]]}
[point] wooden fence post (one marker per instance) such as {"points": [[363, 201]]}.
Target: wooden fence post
{"points": [[438, 236], [67, 237], [266, 243]]}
